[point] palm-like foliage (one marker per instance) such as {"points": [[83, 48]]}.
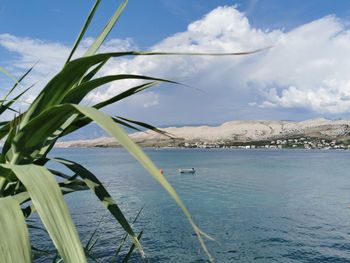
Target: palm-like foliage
{"points": [[27, 185]]}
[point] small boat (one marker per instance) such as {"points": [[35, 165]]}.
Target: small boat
{"points": [[187, 171]]}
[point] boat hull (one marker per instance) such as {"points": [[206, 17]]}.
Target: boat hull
{"points": [[187, 171]]}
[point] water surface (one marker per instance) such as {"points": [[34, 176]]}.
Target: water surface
{"points": [[259, 205]]}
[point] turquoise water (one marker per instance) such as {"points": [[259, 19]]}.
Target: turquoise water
{"points": [[259, 205]]}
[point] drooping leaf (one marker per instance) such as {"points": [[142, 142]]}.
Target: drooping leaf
{"points": [[100, 191], [125, 124], [79, 92], [147, 126], [126, 94], [73, 72], [26, 139], [14, 238], [49, 203], [71, 186], [82, 121], [107, 124], [21, 197]]}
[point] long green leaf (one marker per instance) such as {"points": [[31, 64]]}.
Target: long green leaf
{"points": [[90, 244], [147, 126], [78, 123], [10, 135], [30, 137], [14, 238], [49, 203], [128, 255], [28, 142], [93, 72], [79, 92], [100, 191], [26, 149], [18, 82], [15, 99], [125, 124], [8, 74], [82, 121], [107, 29], [73, 72], [122, 242], [5, 129], [126, 94], [83, 29], [108, 125]]}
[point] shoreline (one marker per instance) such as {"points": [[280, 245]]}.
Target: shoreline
{"points": [[189, 148], [309, 134]]}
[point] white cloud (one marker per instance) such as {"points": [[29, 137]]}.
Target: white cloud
{"points": [[48, 57], [307, 68]]}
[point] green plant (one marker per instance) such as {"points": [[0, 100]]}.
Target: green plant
{"points": [[28, 186]]}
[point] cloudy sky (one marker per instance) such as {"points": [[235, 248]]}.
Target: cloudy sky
{"points": [[305, 74]]}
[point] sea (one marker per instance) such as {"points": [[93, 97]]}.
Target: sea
{"points": [[258, 205]]}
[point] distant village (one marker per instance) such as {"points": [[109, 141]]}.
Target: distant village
{"points": [[297, 143]]}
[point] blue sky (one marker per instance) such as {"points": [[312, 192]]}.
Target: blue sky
{"points": [[310, 83], [150, 21]]}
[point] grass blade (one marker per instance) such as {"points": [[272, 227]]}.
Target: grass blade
{"points": [[90, 244], [107, 29], [83, 29], [17, 83], [122, 242], [128, 255], [8, 74], [4, 107], [14, 238]]}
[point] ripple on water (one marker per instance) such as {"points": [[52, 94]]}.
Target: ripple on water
{"points": [[260, 206]]}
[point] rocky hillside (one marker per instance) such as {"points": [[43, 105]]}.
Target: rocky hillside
{"points": [[233, 131]]}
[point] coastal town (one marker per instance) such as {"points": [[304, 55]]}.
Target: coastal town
{"points": [[296, 143], [243, 134]]}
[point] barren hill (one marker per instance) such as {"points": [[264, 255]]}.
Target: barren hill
{"points": [[233, 131]]}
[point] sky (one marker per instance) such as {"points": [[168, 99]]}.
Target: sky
{"points": [[305, 73]]}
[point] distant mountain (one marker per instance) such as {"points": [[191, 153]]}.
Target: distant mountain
{"points": [[91, 131], [88, 132], [233, 131]]}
